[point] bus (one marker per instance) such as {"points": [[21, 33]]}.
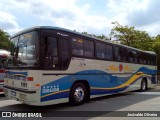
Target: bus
{"points": [[51, 65], [4, 54], [1, 77]]}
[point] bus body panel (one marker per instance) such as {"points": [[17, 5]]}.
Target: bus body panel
{"points": [[18, 87], [108, 78], [105, 79]]}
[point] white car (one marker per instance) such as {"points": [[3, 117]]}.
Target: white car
{"points": [[2, 73]]}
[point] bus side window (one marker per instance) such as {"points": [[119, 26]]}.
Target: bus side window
{"points": [[142, 58], [77, 47], [155, 60], [100, 50], [135, 56], [65, 53], [121, 54], [88, 48], [51, 48], [109, 52], [132, 56], [139, 58], [117, 53]]}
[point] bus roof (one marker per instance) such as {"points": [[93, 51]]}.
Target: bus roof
{"points": [[78, 33]]}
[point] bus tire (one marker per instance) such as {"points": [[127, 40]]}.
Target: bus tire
{"points": [[143, 85], [78, 94]]}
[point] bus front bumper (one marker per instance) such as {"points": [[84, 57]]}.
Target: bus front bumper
{"points": [[23, 95]]}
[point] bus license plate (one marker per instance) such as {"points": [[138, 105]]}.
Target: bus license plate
{"points": [[13, 93]]}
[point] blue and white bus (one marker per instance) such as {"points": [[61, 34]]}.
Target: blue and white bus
{"points": [[51, 65]]}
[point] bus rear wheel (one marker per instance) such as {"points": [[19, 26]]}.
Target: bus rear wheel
{"points": [[78, 94], [143, 85]]}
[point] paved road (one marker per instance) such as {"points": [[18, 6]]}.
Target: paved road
{"points": [[112, 105]]}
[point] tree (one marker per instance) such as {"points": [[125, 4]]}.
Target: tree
{"points": [[4, 40], [103, 37], [156, 48], [131, 37]]}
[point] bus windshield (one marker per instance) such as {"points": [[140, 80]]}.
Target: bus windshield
{"points": [[24, 51]]}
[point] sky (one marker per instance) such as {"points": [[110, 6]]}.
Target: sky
{"points": [[92, 16]]}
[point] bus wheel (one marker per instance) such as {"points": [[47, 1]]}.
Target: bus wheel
{"points": [[78, 94], [143, 85]]}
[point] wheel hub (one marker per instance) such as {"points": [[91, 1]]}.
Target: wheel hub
{"points": [[144, 86], [79, 94]]}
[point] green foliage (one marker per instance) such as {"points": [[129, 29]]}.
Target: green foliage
{"points": [[139, 39], [156, 48], [103, 37], [4, 40], [131, 37]]}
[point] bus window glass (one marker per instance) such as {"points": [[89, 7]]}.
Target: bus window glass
{"points": [[117, 55], [24, 50], [51, 52], [132, 56], [149, 59], [121, 54], [65, 53], [100, 50], [142, 58], [13, 51], [77, 47], [109, 52], [153, 59], [27, 54], [88, 48]]}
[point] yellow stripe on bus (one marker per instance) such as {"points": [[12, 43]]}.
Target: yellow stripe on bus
{"points": [[131, 80], [19, 75], [55, 93]]}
